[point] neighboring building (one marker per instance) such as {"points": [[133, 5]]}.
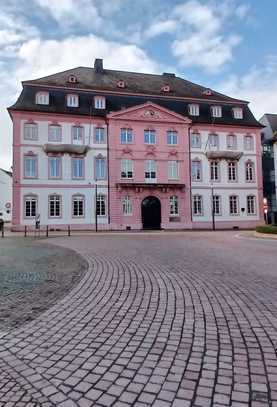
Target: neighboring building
{"points": [[5, 195], [175, 150], [269, 160]]}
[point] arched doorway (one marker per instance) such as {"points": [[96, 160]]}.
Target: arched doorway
{"points": [[151, 213]]}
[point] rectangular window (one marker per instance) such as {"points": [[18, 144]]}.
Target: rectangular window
{"points": [[42, 98], [197, 205], [249, 172], [232, 171], [150, 171], [126, 136], [30, 166], [216, 111], [30, 206], [99, 135], [193, 110], [30, 131], [126, 168], [72, 100], [78, 168], [214, 170], [231, 142], [78, 205], [195, 140], [127, 206], [196, 170], [217, 204], [251, 205], [101, 205], [249, 143], [234, 205], [173, 205], [55, 132], [213, 141], [99, 102], [149, 137], [172, 137], [54, 206], [100, 168], [55, 167], [238, 113], [173, 170], [77, 135]]}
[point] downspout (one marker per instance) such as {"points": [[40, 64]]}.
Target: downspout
{"points": [[190, 182], [108, 170]]}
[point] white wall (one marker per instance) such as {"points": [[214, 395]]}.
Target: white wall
{"points": [[5, 196]]}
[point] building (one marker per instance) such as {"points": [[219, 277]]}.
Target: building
{"points": [[130, 150], [269, 161], [5, 195]]}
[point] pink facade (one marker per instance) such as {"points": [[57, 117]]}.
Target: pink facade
{"points": [[139, 119]]}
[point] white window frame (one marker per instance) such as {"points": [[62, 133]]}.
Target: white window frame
{"points": [[216, 111], [126, 135], [101, 205], [232, 168], [248, 142], [249, 171], [215, 171], [197, 205], [193, 109], [42, 98], [57, 167], [99, 102], [216, 205], [213, 140], [127, 207], [27, 173], [149, 136], [231, 141], [78, 135], [32, 199], [172, 137], [30, 131], [238, 113], [127, 168], [57, 202], [174, 205], [99, 135], [55, 133], [78, 203], [251, 207], [78, 165], [195, 140], [173, 169], [234, 205], [72, 100], [196, 173], [101, 168], [150, 173]]}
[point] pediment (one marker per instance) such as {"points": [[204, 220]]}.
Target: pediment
{"points": [[150, 112]]}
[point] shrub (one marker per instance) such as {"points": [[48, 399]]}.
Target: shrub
{"points": [[267, 229]]}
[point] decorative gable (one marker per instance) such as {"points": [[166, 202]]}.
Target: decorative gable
{"points": [[151, 112]]}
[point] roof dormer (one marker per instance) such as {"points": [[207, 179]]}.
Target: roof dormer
{"points": [[166, 88], [72, 79], [99, 102], [121, 84], [42, 98]]}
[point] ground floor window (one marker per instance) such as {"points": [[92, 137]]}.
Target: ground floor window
{"points": [[101, 205], [216, 204], [173, 203], [78, 205], [197, 205], [54, 206], [127, 206], [251, 205], [234, 205], [30, 206]]}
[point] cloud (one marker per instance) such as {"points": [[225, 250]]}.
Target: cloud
{"points": [[161, 27], [259, 86]]}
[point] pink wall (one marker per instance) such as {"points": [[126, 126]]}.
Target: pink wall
{"points": [[138, 121]]}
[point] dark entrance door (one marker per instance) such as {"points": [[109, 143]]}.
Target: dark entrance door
{"points": [[151, 213]]}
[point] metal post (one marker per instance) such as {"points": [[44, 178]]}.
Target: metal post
{"points": [[213, 214], [2, 233], [25, 231], [47, 231], [68, 228], [96, 215]]}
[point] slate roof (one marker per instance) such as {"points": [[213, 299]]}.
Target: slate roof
{"points": [[272, 120], [90, 83]]}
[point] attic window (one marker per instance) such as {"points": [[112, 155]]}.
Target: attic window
{"points": [[42, 98], [237, 113], [99, 102], [72, 100], [166, 88], [207, 92], [72, 79], [121, 84]]}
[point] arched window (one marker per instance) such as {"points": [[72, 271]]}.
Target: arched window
{"points": [[249, 171], [78, 206]]}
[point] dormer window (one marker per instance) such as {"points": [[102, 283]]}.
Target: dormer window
{"points": [[216, 111], [121, 84], [207, 92], [72, 79], [166, 88], [99, 102], [72, 100], [193, 110], [42, 98], [237, 112]]}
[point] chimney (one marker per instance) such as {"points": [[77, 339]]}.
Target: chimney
{"points": [[98, 65]]}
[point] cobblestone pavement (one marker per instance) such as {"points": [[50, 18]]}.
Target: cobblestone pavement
{"points": [[185, 319]]}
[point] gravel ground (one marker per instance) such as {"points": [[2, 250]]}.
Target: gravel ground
{"points": [[33, 277]]}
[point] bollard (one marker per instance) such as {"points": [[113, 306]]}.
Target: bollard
{"points": [[2, 233], [25, 231], [2, 227], [68, 230], [47, 231]]}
